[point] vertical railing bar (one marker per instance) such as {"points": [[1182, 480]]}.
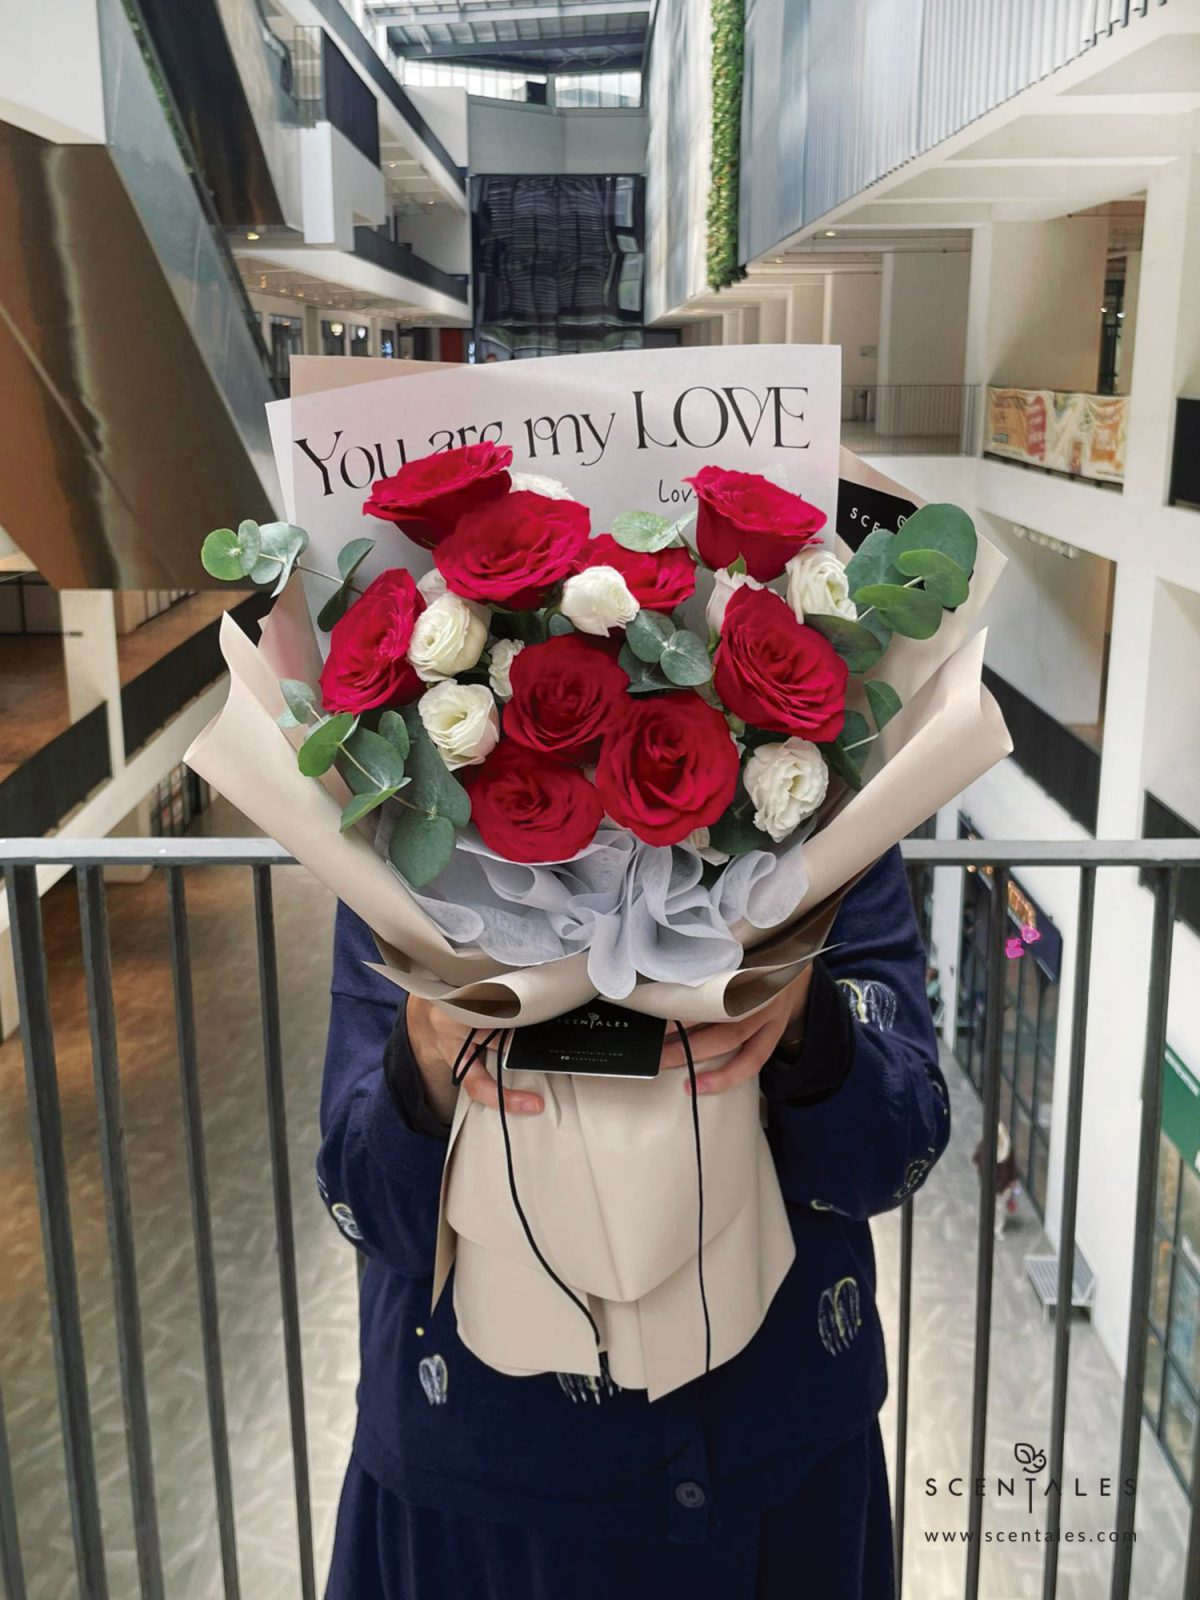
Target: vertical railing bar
{"points": [[12, 1569], [97, 968], [268, 973], [1166, 896], [902, 1376], [50, 1169], [206, 1277], [993, 1035], [1191, 1565], [1066, 1228]]}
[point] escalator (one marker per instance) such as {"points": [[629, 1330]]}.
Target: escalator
{"points": [[133, 376]]}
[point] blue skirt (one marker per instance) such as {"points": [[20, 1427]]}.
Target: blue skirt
{"points": [[832, 1538]]}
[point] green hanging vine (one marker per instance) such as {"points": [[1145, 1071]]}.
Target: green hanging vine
{"points": [[728, 58]]}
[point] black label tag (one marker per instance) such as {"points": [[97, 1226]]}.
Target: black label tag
{"points": [[862, 509], [595, 1040]]}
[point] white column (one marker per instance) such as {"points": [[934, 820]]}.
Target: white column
{"points": [[92, 666]]}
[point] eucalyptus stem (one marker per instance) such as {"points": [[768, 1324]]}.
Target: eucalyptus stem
{"points": [[911, 584]]}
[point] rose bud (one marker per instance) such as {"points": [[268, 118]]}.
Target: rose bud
{"points": [[368, 664], [426, 497], [565, 694], [509, 554], [743, 514], [668, 767], [531, 807], [775, 673]]}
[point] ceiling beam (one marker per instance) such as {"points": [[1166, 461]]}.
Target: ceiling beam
{"points": [[540, 11]]}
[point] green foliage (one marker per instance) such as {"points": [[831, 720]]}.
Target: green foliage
{"points": [[644, 676], [319, 751], [558, 625], [901, 582], [734, 832], [728, 68], [302, 701], [647, 635], [685, 661], [860, 646], [421, 846], [883, 701], [350, 557], [434, 789], [845, 754], [647, 531], [264, 554]]}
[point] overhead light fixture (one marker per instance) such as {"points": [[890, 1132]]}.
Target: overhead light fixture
{"points": [[360, 333], [831, 233], [253, 235], [778, 260], [337, 329]]}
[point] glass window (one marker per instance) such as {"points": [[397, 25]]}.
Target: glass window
{"points": [[1045, 1085], [1026, 1060], [1040, 1170], [1178, 1423], [1189, 1217], [1183, 1337], [360, 340], [1160, 1282], [1048, 1027], [1020, 1137], [1169, 1163], [1006, 1103], [1152, 1389]]}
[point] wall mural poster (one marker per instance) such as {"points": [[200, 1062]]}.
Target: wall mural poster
{"points": [[1080, 434]]}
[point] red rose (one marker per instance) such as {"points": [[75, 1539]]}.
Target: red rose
{"points": [[510, 553], [531, 807], [742, 514], [658, 581], [669, 766], [564, 695], [777, 674], [427, 497], [366, 665]]}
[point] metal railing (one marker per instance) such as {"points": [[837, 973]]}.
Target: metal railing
{"points": [[1162, 860], [377, 246], [909, 419]]}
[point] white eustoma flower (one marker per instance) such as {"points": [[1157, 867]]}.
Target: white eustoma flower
{"points": [[725, 586], [534, 483], [462, 721], [447, 637], [432, 586], [699, 841], [816, 584], [786, 782], [597, 600], [504, 653]]}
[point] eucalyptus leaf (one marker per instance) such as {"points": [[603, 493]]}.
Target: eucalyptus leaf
{"points": [[282, 546], [873, 562], [941, 527], [855, 731], [421, 846], [350, 557], [434, 790], [883, 701], [735, 832], [943, 578], [316, 755], [911, 612], [228, 555], [362, 805], [302, 701], [379, 764], [559, 625], [646, 531], [685, 660], [842, 763], [859, 645], [648, 633], [394, 729]]}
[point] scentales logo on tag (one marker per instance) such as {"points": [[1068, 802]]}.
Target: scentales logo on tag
{"points": [[593, 1019], [1027, 1483]]}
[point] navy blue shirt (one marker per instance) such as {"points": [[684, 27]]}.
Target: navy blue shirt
{"points": [[563, 1454]]}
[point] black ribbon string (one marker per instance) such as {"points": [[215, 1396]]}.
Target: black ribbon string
{"points": [[468, 1055]]}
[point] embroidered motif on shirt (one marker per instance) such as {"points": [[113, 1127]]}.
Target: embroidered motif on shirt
{"points": [[578, 1386], [435, 1379], [344, 1217], [871, 1002], [839, 1315], [915, 1173]]}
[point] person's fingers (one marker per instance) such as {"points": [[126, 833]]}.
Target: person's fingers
{"points": [[748, 1063], [481, 1087], [713, 1040]]}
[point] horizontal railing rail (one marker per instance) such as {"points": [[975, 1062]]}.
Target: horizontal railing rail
{"points": [[1162, 860], [383, 251]]}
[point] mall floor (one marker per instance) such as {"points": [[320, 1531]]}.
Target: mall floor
{"points": [[221, 912]]}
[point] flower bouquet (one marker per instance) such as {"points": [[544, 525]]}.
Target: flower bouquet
{"points": [[640, 761]]}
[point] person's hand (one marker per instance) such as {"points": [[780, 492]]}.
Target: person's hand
{"points": [[753, 1040], [436, 1039]]}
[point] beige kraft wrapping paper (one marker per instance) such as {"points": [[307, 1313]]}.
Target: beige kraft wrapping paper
{"points": [[607, 1174]]}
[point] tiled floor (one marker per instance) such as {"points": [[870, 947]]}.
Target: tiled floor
{"points": [[226, 992]]}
